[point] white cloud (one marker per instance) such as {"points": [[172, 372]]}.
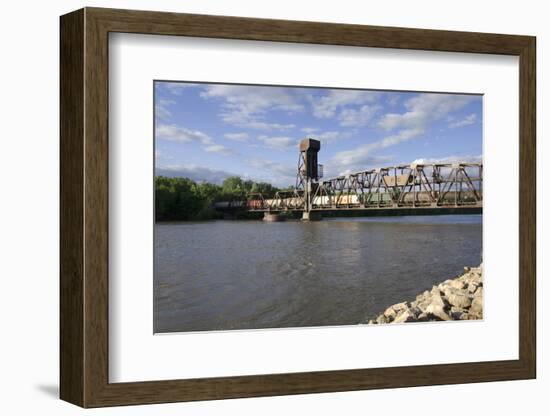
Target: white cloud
{"points": [[361, 157], [466, 121], [350, 117], [252, 121], [161, 154], [176, 88], [367, 161], [276, 173], [238, 137], [449, 159], [196, 173], [401, 136], [181, 134], [176, 133], [392, 100], [218, 148], [331, 136], [327, 105], [254, 99], [423, 109], [278, 143], [271, 172], [161, 109], [246, 106], [310, 130]]}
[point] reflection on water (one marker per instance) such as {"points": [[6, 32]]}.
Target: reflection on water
{"points": [[222, 275]]}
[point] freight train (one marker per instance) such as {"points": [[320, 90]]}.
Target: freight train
{"points": [[367, 199], [352, 200]]}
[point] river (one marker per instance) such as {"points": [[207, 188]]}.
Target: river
{"points": [[222, 275]]}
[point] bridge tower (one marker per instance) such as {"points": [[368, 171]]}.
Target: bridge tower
{"points": [[309, 172]]}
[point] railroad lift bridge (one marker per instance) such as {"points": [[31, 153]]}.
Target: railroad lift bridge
{"points": [[439, 187]]}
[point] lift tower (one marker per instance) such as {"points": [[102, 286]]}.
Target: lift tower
{"points": [[309, 172]]}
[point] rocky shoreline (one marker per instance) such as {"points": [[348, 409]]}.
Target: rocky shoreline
{"points": [[455, 299]]}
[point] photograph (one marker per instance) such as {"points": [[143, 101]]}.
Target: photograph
{"points": [[293, 206]]}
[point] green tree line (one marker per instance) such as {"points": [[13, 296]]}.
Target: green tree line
{"points": [[182, 199]]}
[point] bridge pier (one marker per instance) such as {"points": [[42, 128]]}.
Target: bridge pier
{"points": [[312, 216], [269, 217]]}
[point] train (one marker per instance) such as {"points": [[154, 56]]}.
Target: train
{"points": [[298, 202], [352, 200], [346, 200]]}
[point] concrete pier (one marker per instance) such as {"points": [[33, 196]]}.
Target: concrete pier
{"points": [[269, 217], [312, 216]]}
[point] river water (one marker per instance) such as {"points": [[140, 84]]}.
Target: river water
{"points": [[222, 275]]}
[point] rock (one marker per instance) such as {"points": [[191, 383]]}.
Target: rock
{"points": [[405, 316], [472, 287], [437, 300], [458, 298], [477, 270], [415, 311], [423, 305], [457, 284], [455, 299], [458, 313], [423, 317], [400, 306], [477, 303], [435, 291], [390, 313], [459, 316], [438, 312], [475, 278], [422, 296], [474, 316]]}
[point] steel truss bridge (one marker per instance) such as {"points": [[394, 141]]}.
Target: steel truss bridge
{"points": [[441, 186], [418, 186]]}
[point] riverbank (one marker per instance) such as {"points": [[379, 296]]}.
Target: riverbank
{"points": [[460, 298]]}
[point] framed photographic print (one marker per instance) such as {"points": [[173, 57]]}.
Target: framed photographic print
{"points": [[255, 207]]}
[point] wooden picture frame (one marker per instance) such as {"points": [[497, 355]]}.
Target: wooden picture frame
{"points": [[84, 207]]}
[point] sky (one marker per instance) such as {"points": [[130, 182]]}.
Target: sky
{"points": [[208, 132]]}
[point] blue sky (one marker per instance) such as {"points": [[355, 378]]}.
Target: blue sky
{"points": [[210, 131]]}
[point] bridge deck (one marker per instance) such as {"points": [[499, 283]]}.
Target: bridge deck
{"points": [[371, 207]]}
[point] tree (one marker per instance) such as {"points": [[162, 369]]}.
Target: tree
{"points": [[176, 199], [182, 199], [233, 185], [264, 188]]}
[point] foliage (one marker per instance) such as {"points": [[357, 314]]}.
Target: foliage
{"points": [[182, 199], [234, 186]]}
